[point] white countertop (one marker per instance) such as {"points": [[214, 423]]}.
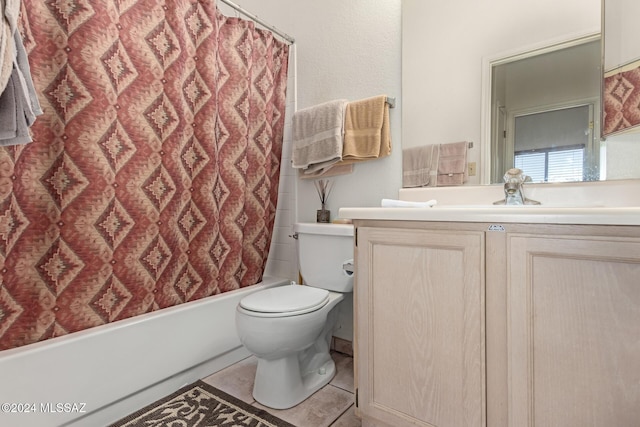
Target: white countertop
{"points": [[508, 214]]}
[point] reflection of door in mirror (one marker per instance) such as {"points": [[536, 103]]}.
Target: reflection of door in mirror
{"points": [[545, 106]]}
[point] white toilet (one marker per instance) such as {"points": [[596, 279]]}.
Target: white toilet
{"points": [[289, 328]]}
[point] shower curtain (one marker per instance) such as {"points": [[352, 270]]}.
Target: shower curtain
{"points": [[153, 176]]}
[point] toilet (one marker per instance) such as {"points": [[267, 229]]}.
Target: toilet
{"points": [[289, 328]]}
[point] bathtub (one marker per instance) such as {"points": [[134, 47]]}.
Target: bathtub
{"points": [[99, 375]]}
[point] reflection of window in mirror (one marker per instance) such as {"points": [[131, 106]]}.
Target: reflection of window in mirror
{"points": [[551, 146], [545, 113]]}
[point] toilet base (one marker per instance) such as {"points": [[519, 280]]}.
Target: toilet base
{"points": [[279, 385]]}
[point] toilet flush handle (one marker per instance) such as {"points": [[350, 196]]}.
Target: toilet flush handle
{"points": [[348, 267]]}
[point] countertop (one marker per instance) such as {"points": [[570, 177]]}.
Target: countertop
{"points": [[507, 214]]}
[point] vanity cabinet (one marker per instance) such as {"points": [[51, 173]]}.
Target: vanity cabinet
{"points": [[573, 342], [477, 324], [419, 311]]}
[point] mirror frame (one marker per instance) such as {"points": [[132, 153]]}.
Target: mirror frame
{"points": [[488, 62]]}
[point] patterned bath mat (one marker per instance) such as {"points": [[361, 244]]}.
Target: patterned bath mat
{"points": [[201, 405]]}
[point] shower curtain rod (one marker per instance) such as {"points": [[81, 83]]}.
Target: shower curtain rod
{"points": [[253, 17]]}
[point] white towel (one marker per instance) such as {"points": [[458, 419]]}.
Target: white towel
{"points": [[392, 203], [318, 136]]}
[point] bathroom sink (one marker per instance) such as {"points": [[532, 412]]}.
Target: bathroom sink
{"points": [[541, 206]]}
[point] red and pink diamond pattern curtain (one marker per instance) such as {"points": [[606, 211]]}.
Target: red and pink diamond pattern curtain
{"points": [[153, 176], [621, 99]]}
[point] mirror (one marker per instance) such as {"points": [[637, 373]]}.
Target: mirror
{"points": [[545, 109], [448, 53], [621, 59]]}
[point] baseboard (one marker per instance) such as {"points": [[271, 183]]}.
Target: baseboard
{"points": [[342, 346]]}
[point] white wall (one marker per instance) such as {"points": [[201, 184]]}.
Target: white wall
{"points": [[620, 25], [567, 75], [623, 152], [443, 51]]}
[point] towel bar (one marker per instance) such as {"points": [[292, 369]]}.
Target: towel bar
{"points": [[391, 102]]}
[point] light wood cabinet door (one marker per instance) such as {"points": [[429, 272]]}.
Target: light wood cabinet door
{"points": [[573, 341], [420, 327]]}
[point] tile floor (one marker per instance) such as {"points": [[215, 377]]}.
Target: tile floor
{"points": [[331, 406]]}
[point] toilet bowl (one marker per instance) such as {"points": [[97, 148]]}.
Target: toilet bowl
{"points": [[289, 328]]}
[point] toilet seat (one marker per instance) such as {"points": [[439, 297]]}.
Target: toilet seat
{"points": [[284, 301]]}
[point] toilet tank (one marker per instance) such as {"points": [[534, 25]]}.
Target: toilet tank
{"points": [[323, 251]]}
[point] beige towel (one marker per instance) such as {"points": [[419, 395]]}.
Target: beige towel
{"points": [[452, 164], [418, 166], [318, 136], [366, 130]]}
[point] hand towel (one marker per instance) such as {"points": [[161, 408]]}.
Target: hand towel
{"points": [[318, 136], [366, 133], [418, 166], [452, 164], [392, 203]]}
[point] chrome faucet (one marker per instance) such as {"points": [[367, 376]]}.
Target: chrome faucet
{"points": [[514, 180]]}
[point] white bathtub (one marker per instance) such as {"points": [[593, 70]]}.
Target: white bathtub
{"points": [[97, 376]]}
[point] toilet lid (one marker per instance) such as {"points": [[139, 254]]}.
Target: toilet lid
{"points": [[287, 299]]}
